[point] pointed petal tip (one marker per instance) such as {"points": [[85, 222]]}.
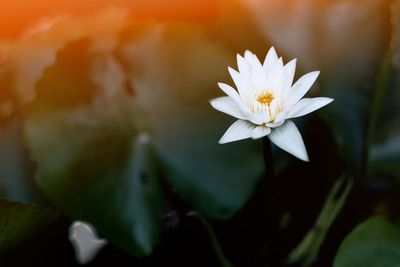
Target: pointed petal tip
{"points": [[238, 56], [230, 69], [212, 101], [324, 100], [248, 52], [272, 49], [301, 155], [304, 158], [293, 61], [328, 100], [223, 87], [288, 138], [215, 102], [224, 140], [239, 130], [301, 87]]}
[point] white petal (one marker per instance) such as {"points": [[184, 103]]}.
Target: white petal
{"points": [[227, 105], [288, 138], [252, 60], [275, 124], [243, 65], [300, 88], [230, 91], [260, 131], [242, 83], [274, 78], [258, 76], [308, 105], [239, 130], [249, 56], [270, 59], [260, 117], [85, 241], [240, 110], [281, 116], [288, 75]]}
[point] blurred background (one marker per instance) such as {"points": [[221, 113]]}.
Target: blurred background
{"points": [[105, 118]]}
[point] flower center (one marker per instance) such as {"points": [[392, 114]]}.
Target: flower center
{"points": [[265, 97], [265, 100]]}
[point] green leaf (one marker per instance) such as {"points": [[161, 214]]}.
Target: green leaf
{"points": [[54, 88], [19, 222], [85, 134], [175, 69], [385, 137], [91, 162], [349, 70], [375, 242], [37, 48]]}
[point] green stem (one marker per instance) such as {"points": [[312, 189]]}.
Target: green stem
{"points": [[309, 247], [377, 100]]}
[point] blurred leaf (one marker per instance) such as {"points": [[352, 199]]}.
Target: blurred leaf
{"points": [[385, 151], [84, 131], [375, 242], [91, 162], [53, 89], [175, 69], [39, 45], [16, 169], [19, 222]]}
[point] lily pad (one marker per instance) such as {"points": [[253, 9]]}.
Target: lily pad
{"points": [[91, 162], [375, 242], [96, 136]]}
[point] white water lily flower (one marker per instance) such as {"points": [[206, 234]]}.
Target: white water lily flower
{"points": [[266, 100]]}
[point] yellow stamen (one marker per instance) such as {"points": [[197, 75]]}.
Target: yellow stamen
{"points": [[265, 97]]}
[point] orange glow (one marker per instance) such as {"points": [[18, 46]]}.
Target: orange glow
{"points": [[17, 15]]}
